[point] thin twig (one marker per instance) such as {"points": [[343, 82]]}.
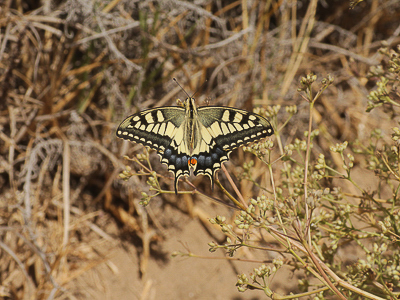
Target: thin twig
{"points": [[225, 42], [107, 33], [66, 192], [115, 50], [21, 266], [346, 52], [238, 193]]}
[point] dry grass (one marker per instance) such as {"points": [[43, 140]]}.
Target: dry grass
{"points": [[71, 70]]}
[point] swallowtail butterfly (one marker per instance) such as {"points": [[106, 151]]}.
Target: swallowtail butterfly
{"points": [[190, 138]]}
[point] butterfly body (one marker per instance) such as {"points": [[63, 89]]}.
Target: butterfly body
{"points": [[190, 138]]}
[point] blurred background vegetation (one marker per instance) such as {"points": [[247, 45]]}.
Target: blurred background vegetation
{"points": [[72, 70]]}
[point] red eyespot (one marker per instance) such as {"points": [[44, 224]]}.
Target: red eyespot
{"points": [[192, 161]]}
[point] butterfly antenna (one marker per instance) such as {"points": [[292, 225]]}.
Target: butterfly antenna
{"points": [[199, 88], [174, 79]]}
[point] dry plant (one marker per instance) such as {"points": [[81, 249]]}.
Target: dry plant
{"points": [[71, 70]]}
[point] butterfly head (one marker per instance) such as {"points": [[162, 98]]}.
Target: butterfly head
{"points": [[190, 104]]}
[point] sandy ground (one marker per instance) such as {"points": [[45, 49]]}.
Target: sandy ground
{"points": [[210, 277]]}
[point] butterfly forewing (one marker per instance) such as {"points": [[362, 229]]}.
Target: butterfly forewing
{"points": [[232, 128], [154, 128]]}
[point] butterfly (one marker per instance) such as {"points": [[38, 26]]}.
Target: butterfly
{"points": [[194, 138]]}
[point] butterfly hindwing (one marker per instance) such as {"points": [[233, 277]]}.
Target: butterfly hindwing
{"points": [[176, 161], [209, 162]]}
